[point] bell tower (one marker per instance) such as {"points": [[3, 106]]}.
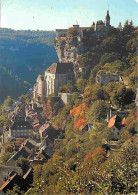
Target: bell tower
{"points": [[107, 19]]}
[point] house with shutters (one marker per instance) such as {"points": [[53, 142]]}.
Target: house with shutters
{"points": [[21, 129]]}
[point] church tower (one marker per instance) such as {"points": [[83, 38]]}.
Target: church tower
{"points": [[107, 19]]}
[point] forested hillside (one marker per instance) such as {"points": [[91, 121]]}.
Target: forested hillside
{"points": [[95, 152], [93, 161], [23, 55]]}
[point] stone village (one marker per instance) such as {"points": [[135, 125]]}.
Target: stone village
{"points": [[40, 137]]}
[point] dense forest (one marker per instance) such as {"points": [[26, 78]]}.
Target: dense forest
{"points": [[23, 55]]}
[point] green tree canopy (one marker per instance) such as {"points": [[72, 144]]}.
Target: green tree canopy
{"points": [[97, 112]]}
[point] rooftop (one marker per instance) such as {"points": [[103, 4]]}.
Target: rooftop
{"points": [[60, 68], [114, 121], [44, 127], [21, 125]]}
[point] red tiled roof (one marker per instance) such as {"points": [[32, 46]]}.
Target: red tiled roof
{"points": [[7, 182], [43, 127], [124, 121], [36, 125], [115, 121], [111, 122], [28, 172], [1, 183]]}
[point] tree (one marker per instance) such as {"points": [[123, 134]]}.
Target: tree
{"points": [[23, 163], [5, 157], [72, 31], [116, 67], [98, 156], [130, 125], [97, 112], [126, 23], [15, 191], [109, 57], [120, 26], [128, 28], [92, 93], [131, 45], [120, 170], [78, 114], [68, 88], [112, 44], [120, 96], [8, 101], [80, 84]]}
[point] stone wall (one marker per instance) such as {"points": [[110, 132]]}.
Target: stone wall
{"points": [[65, 97], [50, 83], [104, 79], [61, 32]]}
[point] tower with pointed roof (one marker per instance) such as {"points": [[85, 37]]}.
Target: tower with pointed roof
{"points": [[107, 20]]}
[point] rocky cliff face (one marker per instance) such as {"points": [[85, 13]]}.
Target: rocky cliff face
{"points": [[68, 50]]}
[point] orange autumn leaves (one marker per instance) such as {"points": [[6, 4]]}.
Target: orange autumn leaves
{"points": [[98, 155], [78, 113]]}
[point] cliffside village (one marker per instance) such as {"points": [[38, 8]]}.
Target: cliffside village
{"points": [[40, 137]]}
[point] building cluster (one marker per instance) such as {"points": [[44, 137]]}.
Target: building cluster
{"points": [[21, 180], [99, 28], [34, 153], [31, 151]]}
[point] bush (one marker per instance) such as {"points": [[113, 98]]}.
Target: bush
{"points": [[72, 31]]}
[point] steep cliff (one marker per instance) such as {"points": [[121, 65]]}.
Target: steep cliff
{"points": [[76, 49], [69, 49]]}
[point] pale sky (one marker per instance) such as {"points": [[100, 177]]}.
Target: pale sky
{"points": [[52, 14]]}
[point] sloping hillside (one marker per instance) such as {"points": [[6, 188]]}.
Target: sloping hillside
{"points": [[25, 54]]}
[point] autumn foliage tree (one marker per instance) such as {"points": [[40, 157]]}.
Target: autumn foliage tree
{"points": [[78, 114]]}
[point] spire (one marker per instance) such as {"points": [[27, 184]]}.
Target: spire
{"points": [[107, 19], [107, 16]]}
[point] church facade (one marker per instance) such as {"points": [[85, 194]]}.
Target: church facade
{"points": [[57, 75]]}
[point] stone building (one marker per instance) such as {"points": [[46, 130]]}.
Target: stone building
{"points": [[115, 125], [104, 79], [47, 130], [57, 75], [21, 129], [65, 97], [99, 28], [107, 20], [39, 87], [61, 32]]}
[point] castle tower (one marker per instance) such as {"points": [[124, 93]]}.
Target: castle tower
{"points": [[107, 19], [93, 25]]}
